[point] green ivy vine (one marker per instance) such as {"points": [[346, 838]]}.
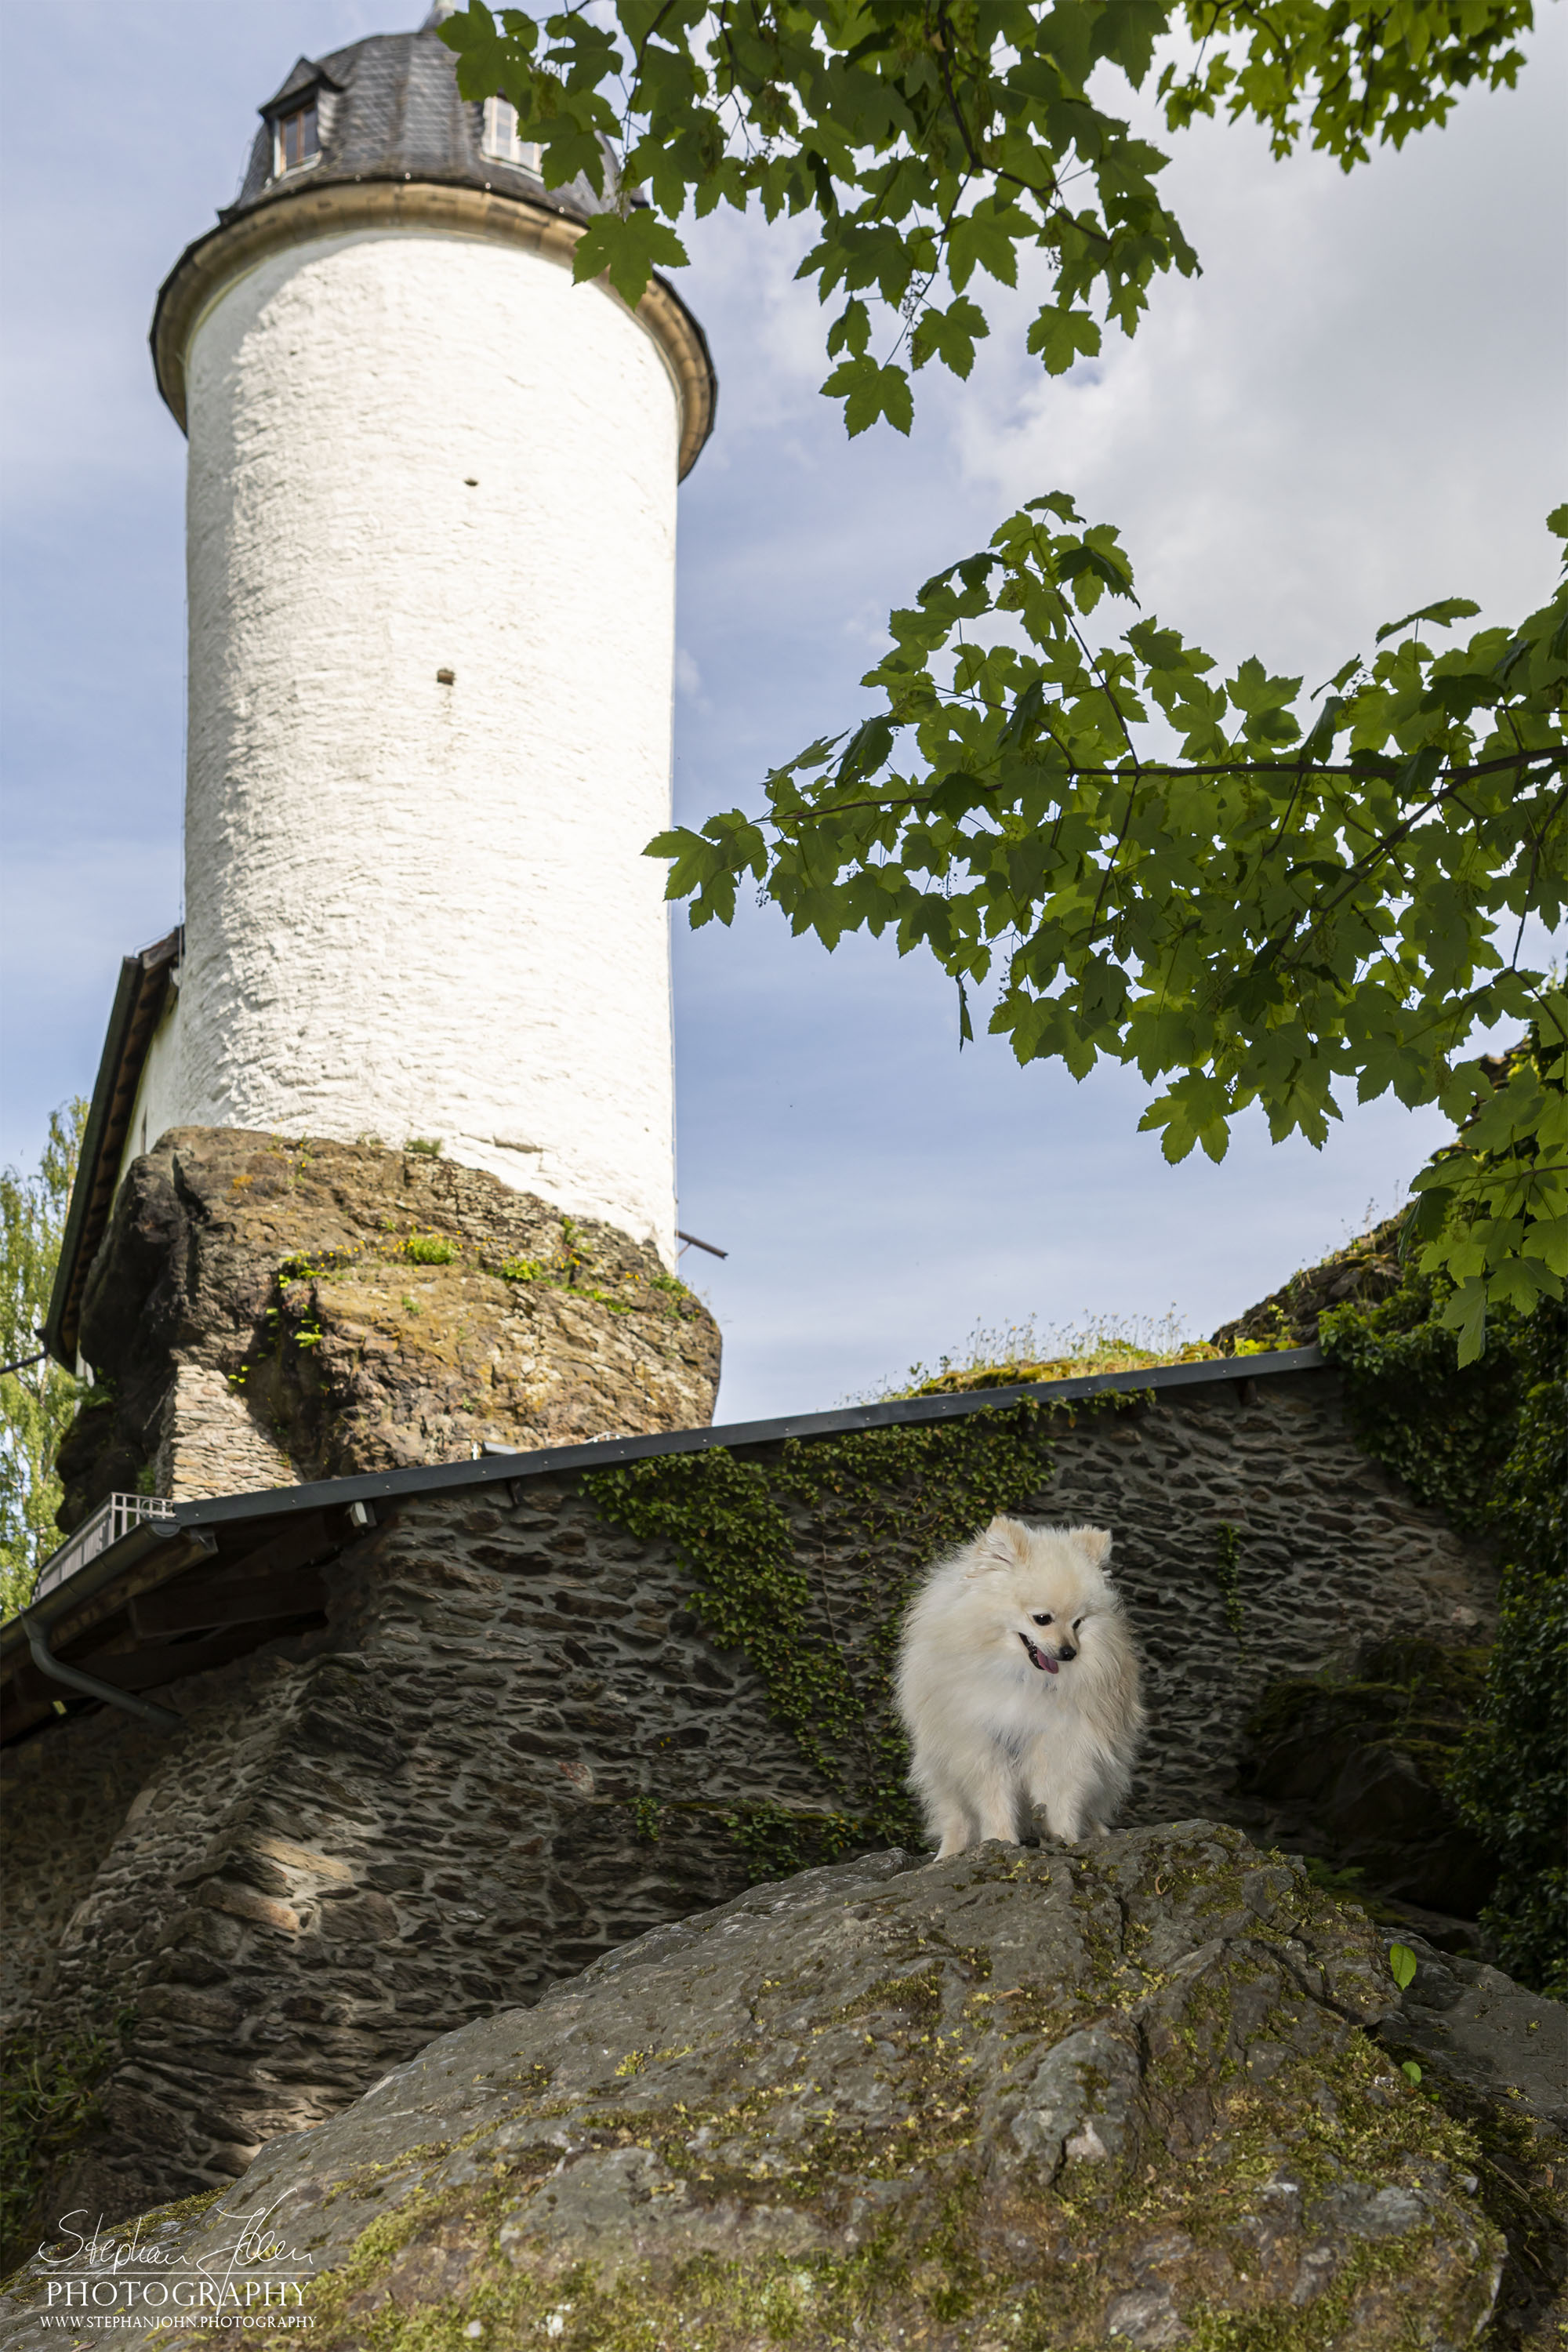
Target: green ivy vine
{"points": [[1487, 1444], [805, 1560], [1445, 1429], [48, 2098], [1511, 1779], [1228, 1574]]}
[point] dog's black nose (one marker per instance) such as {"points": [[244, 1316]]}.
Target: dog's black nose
{"points": [[1066, 1653]]}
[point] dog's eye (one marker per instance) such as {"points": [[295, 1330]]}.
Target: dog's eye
{"points": [[1045, 1620], [1076, 1624]]}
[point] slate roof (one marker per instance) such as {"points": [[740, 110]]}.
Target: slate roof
{"points": [[388, 109]]}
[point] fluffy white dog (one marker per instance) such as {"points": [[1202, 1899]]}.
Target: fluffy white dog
{"points": [[1018, 1681]]}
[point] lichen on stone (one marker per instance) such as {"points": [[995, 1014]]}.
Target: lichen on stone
{"points": [[264, 1309], [1022, 2096]]}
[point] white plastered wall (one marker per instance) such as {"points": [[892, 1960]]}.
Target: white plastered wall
{"points": [[159, 1092], [415, 908]]}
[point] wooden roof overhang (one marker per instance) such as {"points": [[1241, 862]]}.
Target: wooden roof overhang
{"points": [[170, 1599]]}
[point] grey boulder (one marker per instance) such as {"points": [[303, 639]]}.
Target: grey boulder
{"points": [[1018, 2098]]}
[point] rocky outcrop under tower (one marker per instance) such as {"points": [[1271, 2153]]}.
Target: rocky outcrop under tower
{"points": [[263, 1311]]}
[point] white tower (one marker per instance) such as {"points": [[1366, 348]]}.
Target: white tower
{"points": [[431, 550]]}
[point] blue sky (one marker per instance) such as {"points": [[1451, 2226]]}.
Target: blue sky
{"points": [[1356, 408]]}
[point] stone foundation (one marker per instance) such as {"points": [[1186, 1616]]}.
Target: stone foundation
{"points": [[261, 1312]]}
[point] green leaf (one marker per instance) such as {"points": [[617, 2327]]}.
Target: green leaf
{"points": [[949, 335], [987, 238], [1060, 336], [867, 749], [871, 393], [1465, 1313], [627, 250], [850, 331], [1066, 34], [1026, 714], [1402, 1966], [1445, 614], [1126, 32]]}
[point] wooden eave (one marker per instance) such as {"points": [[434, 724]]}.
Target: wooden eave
{"points": [[138, 1006], [171, 1600]]}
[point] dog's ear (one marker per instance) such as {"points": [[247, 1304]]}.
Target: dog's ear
{"points": [[1094, 1543], [1005, 1544]]}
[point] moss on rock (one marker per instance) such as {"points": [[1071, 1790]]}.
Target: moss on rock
{"points": [[1020, 2097], [264, 1308]]}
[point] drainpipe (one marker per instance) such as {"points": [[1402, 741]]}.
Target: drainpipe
{"points": [[163, 1718]]}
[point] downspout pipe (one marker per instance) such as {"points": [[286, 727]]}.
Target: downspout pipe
{"points": [[163, 1718]]}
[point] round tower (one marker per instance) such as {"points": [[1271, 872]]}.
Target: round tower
{"points": [[430, 524]]}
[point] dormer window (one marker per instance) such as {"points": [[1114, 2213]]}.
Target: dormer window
{"points": [[294, 140], [501, 140]]}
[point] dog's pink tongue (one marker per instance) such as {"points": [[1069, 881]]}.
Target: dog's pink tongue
{"points": [[1051, 1665]]}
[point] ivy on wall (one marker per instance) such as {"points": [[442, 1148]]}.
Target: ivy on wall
{"points": [[805, 1561], [1445, 1429], [1487, 1444], [1226, 1560], [48, 2098], [1511, 1781]]}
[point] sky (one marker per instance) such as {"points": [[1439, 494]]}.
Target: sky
{"points": [[1356, 408]]}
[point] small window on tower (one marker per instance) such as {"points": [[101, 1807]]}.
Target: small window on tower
{"points": [[501, 136], [294, 140]]}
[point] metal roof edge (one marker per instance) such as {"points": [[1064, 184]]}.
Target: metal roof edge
{"points": [[133, 1545], [504, 1469], [500, 1469]]}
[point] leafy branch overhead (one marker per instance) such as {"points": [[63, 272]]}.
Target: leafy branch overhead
{"points": [[1250, 896], [936, 145]]}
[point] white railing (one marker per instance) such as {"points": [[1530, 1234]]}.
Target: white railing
{"points": [[108, 1524]]}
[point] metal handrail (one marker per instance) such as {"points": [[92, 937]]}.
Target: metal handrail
{"points": [[111, 1520]]}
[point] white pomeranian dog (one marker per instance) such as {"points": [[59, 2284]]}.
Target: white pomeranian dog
{"points": [[1018, 1686]]}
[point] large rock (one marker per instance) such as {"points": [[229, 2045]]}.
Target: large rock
{"points": [[1485, 2032], [1021, 2098], [262, 1311]]}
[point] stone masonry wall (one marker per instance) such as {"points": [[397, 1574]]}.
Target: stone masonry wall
{"points": [[430, 1811], [67, 1794], [1332, 1551]]}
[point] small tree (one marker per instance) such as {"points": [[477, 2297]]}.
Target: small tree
{"points": [[36, 1402]]}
